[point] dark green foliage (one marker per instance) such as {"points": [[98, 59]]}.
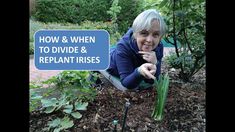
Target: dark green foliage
{"points": [[94, 10], [129, 11], [72, 11], [109, 26], [34, 100], [76, 11], [173, 61], [57, 11], [186, 25]]}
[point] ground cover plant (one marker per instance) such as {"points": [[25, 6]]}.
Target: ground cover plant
{"points": [[73, 93]]}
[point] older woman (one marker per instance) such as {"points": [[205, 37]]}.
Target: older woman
{"points": [[138, 54]]}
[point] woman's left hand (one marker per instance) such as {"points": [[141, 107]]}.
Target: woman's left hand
{"points": [[149, 56]]}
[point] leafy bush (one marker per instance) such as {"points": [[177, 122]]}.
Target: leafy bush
{"points": [[186, 24], [74, 84], [72, 11], [57, 11], [109, 26], [77, 11], [34, 100], [94, 10], [173, 60], [114, 11], [129, 11], [59, 124]]}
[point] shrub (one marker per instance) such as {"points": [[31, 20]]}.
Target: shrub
{"points": [[186, 24], [129, 10], [114, 36], [57, 11], [72, 11], [94, 10]]}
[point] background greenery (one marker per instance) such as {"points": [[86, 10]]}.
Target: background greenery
{"points": [[186, 33], [185, 20]]}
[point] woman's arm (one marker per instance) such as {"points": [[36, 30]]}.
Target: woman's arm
{"points": [[129, 76]]}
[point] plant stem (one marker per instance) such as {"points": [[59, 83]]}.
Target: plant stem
{"points": [[162, 89]]}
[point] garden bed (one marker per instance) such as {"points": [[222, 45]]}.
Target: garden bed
{"points": [[184, 110]]}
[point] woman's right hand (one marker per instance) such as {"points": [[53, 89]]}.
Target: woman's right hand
{"points": [[147, 70]]}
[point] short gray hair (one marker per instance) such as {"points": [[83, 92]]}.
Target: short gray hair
{"points": [[144, 19]]}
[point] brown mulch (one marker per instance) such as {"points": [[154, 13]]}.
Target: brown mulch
{"points": [[184, 109]]}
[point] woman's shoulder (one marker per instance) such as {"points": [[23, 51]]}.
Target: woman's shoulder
{"points": [[124, 42], [122, 47], [160, 44]]}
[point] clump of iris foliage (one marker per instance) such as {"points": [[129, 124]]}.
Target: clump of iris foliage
{"points": [[162, 89]]}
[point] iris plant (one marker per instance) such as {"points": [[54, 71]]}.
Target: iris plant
{"points": [[162, 90]]}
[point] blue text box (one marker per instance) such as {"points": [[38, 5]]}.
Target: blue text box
{"points": [[71, 49]]}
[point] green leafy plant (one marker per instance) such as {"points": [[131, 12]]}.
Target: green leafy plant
{"points": [[34, 100], [186, 27], [129, 10], [57, 11], [66, 106], [114, 10], [59, 124], [34, 85], [162, 89], [75, 85], [73, 93], [87, 10]]}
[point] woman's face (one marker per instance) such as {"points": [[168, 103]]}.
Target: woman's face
{"points": [[148, 40]]}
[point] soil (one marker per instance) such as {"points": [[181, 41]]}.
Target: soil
{"points": [[184, 110]]}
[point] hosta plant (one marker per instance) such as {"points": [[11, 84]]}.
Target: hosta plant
{"points": [[58, 124], [74, 93], [162, 89]]}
